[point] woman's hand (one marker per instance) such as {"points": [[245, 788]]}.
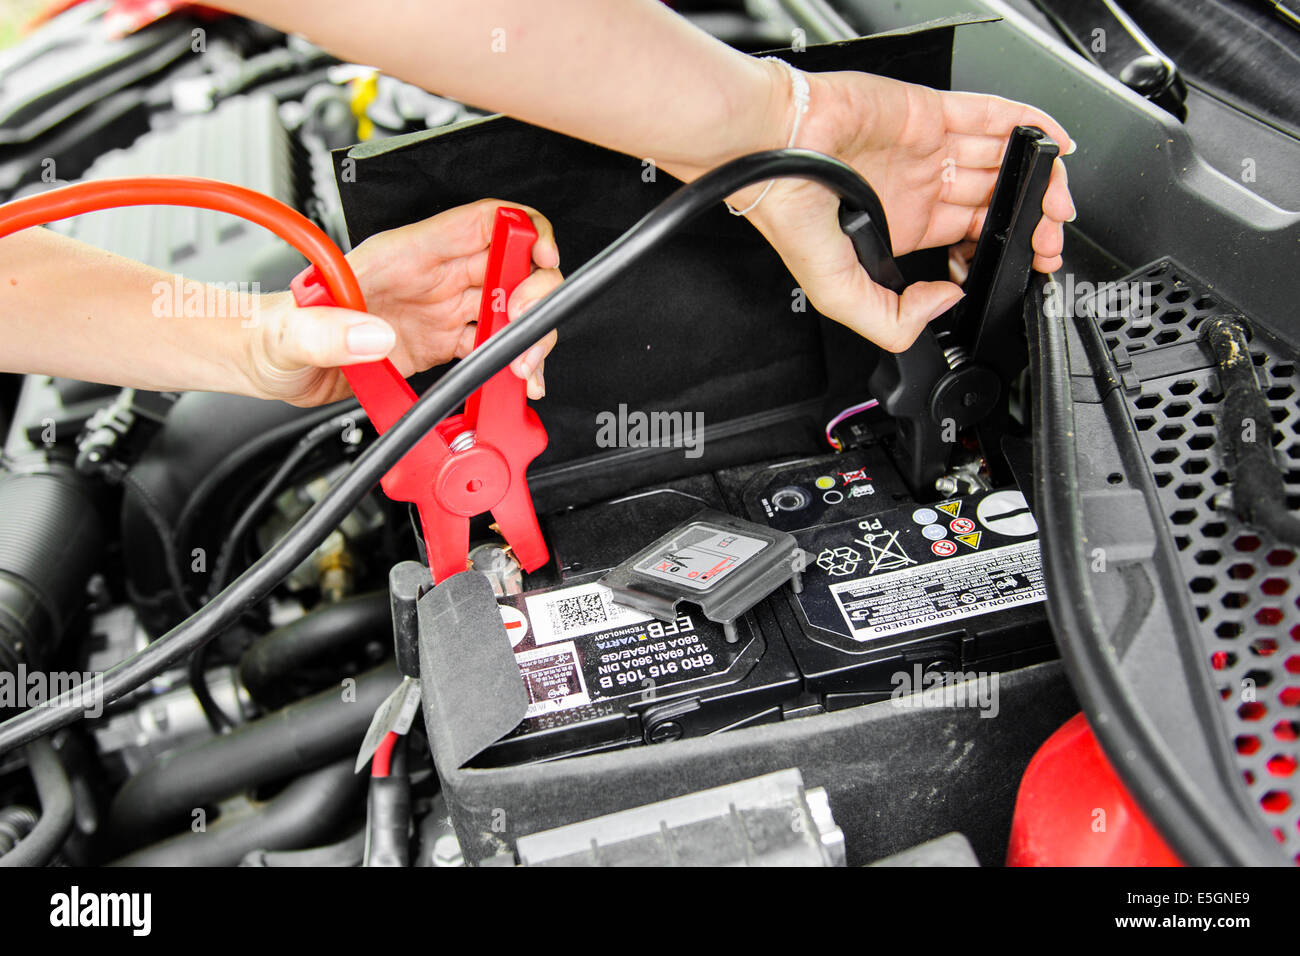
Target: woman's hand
{"points": [[422, 285], [933, 159]]}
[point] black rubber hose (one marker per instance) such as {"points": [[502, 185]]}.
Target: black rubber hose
{"points": [[330, 627], [55, 793], [312, 808], [15, 823], [301, 737], [51, 539], [443, 398]]}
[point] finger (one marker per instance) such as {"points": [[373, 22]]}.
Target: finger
{"points": [[546, 254], [532, 290], [949, 224], [327, 338], [537, 384], [975, 151], [475, 266], [1049, 238], [531, 362], [988, 115], [893, 322], [1046, 264], [1057, 202], [959, 260], [465, 344], [968, 187], [527, 294]]}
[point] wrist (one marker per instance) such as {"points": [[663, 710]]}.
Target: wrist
{"points": [[757, 115]]}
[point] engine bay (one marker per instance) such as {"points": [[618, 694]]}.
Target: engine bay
{"points": [[783, 575]]}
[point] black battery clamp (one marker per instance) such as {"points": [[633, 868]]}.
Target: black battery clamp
{"points": [[960, 371]]}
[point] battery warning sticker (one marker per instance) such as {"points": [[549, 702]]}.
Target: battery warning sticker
{"points": [[578, 647], [700, 555], [553, 679], [962, 587], [910, 568]]}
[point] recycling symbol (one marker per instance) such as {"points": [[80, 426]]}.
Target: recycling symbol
{"points": [[839, 561]]}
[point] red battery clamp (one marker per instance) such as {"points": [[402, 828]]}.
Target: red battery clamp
{"points": [[476, 461]]}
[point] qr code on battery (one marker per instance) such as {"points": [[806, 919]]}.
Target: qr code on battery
{"points": [[579, 611]]}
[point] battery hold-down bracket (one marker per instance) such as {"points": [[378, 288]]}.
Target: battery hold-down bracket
{"points": [[723, 564]]}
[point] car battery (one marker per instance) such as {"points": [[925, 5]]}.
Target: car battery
{"points": [[600, 675], [895, 590]]}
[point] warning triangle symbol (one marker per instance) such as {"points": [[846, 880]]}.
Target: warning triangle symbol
{"points": [[972, 539], [952, 508]]}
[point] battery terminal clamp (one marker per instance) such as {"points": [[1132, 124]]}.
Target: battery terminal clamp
{"points": [[723, 564], [476, 461], [961, 370]]}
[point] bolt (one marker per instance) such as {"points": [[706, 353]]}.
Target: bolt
{"points": [[667, 730], [446, 851]]}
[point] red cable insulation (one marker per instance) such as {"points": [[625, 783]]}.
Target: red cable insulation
{"points": [[284, 221], [382, 762]]}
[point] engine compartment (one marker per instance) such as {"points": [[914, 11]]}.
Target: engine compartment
{"points": [[698, 383]]}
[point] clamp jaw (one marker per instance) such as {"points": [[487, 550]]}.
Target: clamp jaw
{"points": [[476, 461], [960, 371]]}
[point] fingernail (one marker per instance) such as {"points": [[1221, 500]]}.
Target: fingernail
{"points": [[530, 361], [1073, 216], [515, 308], [370, 338], [538, 385], [1073, 146]]}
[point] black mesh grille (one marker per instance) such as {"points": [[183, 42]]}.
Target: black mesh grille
{"points": [[1245, 586]]}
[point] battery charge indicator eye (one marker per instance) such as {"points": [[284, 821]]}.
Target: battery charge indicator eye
{"points": [[825, 482], [790, 499]]}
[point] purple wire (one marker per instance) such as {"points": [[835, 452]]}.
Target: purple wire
{"points": [[847, 413]]}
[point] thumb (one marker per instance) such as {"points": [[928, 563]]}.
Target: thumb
{"points": [[890, 320], [921, 303], [328, 337]]}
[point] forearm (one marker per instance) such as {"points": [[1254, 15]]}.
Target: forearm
{"points": [[74, 311], [682, 98]]}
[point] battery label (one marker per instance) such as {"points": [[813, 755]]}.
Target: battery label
{"points": [[913, 567], [572, 612], [700, 556], [917, 597], [579, 648], [553, 679]]}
